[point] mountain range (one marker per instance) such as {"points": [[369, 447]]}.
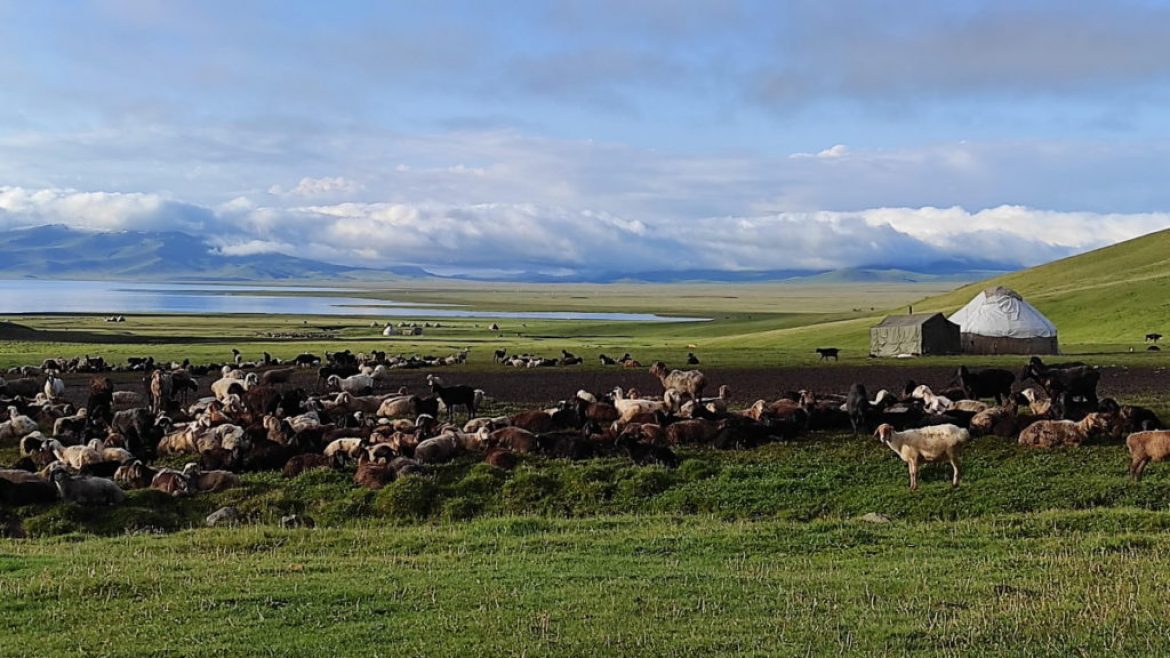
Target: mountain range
{"points": [[55, 251]]}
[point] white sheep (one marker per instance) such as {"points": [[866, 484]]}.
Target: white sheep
{"points": [[354, 384], [935, 404], [111, 454], [54, 387], [76, 457], [349, 447], [129, 398], [17, 426], [925, 444]]}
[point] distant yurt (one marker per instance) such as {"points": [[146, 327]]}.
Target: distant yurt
{"points": [[999, 321], [389, 330], [918, 334]]}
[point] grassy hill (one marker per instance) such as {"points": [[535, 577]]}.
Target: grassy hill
{"points": [[1113, 295], [1104, 300]]}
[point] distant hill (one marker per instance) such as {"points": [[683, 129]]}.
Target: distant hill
{"points": [[60, 252], [1116, 294]]}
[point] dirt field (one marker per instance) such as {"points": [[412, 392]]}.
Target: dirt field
{"points": [[543, 385]]}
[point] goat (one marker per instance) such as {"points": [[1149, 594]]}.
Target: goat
{"points": [[453, 396], [691, 382], [925, 444]]}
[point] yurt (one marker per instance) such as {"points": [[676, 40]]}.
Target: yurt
{"points": [[920, 333], [999, 321]]}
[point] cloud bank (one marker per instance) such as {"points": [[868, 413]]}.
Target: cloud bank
{"points": [[476, 238]]}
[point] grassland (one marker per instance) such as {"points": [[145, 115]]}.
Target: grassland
{"points": [[1053, 584], [757, 553]]}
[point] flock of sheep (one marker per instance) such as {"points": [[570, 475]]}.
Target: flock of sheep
{"points": [[256, 420]]}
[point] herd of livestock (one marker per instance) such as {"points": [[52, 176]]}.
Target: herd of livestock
{"points": [[255, 419]]}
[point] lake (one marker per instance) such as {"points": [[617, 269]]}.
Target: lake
{"points": [[118, 297]]}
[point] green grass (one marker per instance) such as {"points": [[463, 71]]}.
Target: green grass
{"points": [[1056, 584]]}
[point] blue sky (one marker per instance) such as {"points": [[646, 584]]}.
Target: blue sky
{"points": [[569, 136]]}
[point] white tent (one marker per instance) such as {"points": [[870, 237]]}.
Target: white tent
{"points": [[999, 321]]}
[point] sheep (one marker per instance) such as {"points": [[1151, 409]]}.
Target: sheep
{"points": [[991, 382], [134, 475], [691, 382], [439, 449], [75, 457], [935, 404], [399, 406], [369, 404], [86, 490], [71, 427], [33, 491], [129, 398], [222, 387], [1051, 433], [372, 474], [300, 463], [1145, 447], [629, 408], [54, 387], [32, 443], [111, 453], [26, 387], [925, 444], [17, 426], [349, 447], [209, 481], [828, 353], [170, 481], [354, 384], [999, 421], [857, 404], [277, 376]]}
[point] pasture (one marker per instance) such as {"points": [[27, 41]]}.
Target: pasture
{"points": [[742, 552]]}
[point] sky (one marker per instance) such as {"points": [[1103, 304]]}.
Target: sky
{"points": [[601, 135]]}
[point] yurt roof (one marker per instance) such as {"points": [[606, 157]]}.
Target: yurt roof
{"points": [[1001, 312]]}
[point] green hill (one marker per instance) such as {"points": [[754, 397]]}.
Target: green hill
{"points": [[1113, 295], [1106, 299]]}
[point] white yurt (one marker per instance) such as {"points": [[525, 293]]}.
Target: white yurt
{"points": [[999, 321]]}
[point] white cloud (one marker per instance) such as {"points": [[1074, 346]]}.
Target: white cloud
{"points": [[518, 236], [835, 151], [318, 187]]}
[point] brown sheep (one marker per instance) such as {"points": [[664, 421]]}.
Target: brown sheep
{"points": [[298, 464], [277, 376], [171, 482], [372, 474], [1000, 421], [209, 481], [512, 438], [1145, 447], [1052, 433], [537, 422], [691, 432], [649, 433], [502, 459]]}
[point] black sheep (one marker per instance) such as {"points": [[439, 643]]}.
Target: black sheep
{"points": [[991, 382]]}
